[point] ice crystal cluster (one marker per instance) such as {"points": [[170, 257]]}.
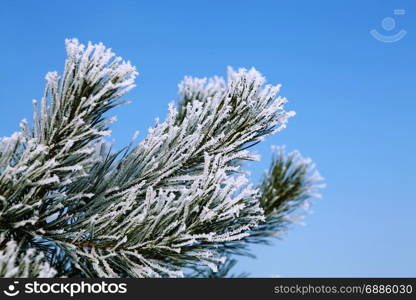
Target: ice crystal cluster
{"points": [[178, 203]]}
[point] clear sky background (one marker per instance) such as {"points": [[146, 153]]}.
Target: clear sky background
{"points": [[354, 97]]}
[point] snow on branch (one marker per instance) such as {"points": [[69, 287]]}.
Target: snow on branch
{"points": [[37, 164], [175, 200]]}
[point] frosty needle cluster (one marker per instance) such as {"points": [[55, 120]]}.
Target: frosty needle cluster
{"points": [[176, 201]]}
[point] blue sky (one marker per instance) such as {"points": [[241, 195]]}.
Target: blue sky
{"points": [[354, 97]]}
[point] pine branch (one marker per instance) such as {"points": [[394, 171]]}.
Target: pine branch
{"points": [[177, 200], [285, 189], [38, 165]]}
